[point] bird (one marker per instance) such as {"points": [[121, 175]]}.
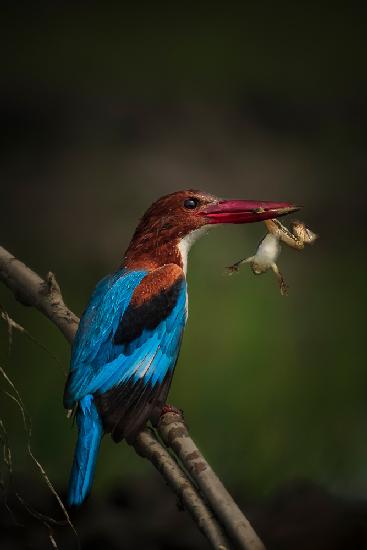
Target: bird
{"points": [[129, 336]]}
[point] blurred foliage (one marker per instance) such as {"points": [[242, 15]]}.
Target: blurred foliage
{"points": [[103, 110]]}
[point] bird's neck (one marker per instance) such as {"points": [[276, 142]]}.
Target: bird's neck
{"points": [[148, 255], [147, 252]]}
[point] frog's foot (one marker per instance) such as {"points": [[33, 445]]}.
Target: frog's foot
{"points": [[232, 269], [281, 281], [171, 409], [235, 267], [283, 288]]}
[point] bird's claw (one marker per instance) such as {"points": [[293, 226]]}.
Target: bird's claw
{"points": [[171, 409]]}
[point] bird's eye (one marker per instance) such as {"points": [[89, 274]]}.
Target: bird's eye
{"points": [[191, 203]]}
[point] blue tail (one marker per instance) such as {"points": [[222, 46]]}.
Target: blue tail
{"points": [[89, 438]]}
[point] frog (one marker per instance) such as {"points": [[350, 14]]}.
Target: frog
{"points": [[269, 248]]}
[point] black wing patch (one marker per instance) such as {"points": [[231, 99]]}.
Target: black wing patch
{"points": [[148, 315]]}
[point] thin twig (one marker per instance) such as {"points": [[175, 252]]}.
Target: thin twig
{"points": [[31, 290], [13, 325], [174, 433], [28, 431]]}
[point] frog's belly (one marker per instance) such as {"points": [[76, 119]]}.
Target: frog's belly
{"points": [[267, 253]]}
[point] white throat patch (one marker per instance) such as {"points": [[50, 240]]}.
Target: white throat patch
{"points": [[185, 244]]}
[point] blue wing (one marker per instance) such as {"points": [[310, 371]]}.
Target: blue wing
{"points": [[124, 356]]}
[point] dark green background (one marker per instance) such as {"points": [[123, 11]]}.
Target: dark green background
{"points": [[102, 111]]}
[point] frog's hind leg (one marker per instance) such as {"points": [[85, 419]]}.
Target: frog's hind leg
{"points": [[235, 267], [290, 238], [281, 281]]}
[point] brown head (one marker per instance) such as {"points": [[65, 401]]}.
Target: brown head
{"points": [[175, 221]]}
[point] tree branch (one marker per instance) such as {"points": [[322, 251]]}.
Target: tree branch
{"points": [[31, 290], [149, 447], [174, 433]]}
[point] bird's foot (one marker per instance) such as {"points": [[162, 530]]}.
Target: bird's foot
{"points": [[171, 409]]}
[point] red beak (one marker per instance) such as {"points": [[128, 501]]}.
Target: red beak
{"points": [[240, 211]]}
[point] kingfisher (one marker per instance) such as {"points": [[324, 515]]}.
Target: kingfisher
{"points": [[129, 337]]}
